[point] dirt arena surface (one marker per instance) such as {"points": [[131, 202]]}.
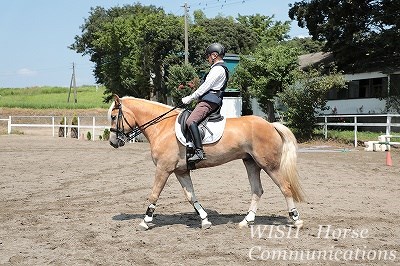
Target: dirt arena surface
{"points": [[70, 202]]}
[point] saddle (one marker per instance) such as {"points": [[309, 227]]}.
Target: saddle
{"points": [[211, 130], [214, 117]]}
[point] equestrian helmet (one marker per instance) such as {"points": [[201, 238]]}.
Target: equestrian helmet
{"points": [[216, 48]]}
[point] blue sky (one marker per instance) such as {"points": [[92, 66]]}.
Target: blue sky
{"points": [[35, 34]]}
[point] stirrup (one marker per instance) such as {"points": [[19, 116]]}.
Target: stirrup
{"points": [[197, 156]]}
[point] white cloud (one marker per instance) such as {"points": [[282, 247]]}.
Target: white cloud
{"points": [[26, 72]]}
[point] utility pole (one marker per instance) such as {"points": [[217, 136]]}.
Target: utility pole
{"points": [[185, 6], [73, 85]]}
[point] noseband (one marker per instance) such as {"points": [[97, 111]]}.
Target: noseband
{"points": [[123, 137]]}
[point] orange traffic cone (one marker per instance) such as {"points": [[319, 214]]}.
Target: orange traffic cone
{"points": [[388, 159]]}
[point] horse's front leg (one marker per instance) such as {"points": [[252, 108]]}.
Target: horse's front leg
{"points": [[160, 179], [187, 185]]}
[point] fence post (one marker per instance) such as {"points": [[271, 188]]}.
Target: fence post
{"points": [[53, 125], [355, 131], [9, 125], [326, 127], [79, 131], [94, 125], [65, 127], [388, 123]]}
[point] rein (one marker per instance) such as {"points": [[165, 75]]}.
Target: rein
{"points": [[135, 131]]}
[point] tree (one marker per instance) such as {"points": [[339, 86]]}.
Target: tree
{"points": [[266, 72], [267, 31], [182, 80], [306, 45], [130, 46], [360, 33], [306, 98]]}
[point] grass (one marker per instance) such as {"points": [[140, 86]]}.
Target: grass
{"points": [[52, 98], [347, 136]]}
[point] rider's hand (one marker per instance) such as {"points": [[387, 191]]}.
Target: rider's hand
{"points": [[186, 100]]}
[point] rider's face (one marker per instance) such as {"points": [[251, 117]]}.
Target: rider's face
{"points": [[211, 57]]}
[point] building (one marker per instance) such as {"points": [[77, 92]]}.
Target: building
{"points": [[366, 92]]}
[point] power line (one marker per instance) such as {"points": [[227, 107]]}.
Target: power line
{"points": [[204, 5]]}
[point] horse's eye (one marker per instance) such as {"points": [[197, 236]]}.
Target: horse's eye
{"points": [[113, 117]]}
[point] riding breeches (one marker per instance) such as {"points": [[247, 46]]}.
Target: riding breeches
{"points": [[200, 112]]}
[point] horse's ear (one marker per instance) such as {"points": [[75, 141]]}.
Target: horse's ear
{"points": [[117, 100]]}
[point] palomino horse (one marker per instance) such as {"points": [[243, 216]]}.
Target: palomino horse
{"points": [[260, 144]]}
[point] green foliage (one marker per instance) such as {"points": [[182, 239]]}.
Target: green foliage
{"points": [[360, 33], [52, 97], [266, 31], [182, 80], [393, 100], [134, 46], [62, 121], [265, 72], [306, 45], [306, 98], [127, 44], [74, 120], [347, 136], [106, 134], [89, 135]]}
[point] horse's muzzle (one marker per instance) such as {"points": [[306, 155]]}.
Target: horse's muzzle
{"points": [[119, 143]]}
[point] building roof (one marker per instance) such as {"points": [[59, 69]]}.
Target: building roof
{"points": [[315, 59]]}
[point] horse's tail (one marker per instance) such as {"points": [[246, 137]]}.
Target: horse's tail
{"points": [[288, 164]]}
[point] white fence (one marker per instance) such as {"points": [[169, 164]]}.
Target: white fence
{"points": [[95, 125], [359, 121]]}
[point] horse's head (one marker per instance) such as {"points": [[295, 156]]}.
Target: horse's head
{"points": [[122, 122]]}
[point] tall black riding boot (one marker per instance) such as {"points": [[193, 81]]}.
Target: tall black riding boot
{"points": [[198, 153]]}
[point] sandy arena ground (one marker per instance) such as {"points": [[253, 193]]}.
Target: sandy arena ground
{"points": [[70, 202]]}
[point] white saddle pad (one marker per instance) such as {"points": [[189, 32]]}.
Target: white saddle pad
{"points": [[213, 133]]}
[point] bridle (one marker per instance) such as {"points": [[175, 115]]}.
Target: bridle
{"points": [[135, 131]]}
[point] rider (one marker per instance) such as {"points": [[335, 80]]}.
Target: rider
{"points": [[210, 94]]}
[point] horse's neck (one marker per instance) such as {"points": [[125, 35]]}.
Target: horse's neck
{"points": [[146, 111]]}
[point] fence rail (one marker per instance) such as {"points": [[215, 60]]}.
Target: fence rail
{"points": [[100, 123], [356, 122], [50, 122]]}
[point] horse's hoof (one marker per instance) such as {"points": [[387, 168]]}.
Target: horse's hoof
{"points": [[205, 224], [243, 224], [298, 224], [143, 226]]}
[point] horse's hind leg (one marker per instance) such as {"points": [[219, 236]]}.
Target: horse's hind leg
{"points": [[285, 188], [187, 185], [253, 173]]}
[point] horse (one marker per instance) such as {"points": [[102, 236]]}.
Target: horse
{"points": [[261, 145]]}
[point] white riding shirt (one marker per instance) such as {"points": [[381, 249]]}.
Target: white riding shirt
{"points": [[215, 80]]}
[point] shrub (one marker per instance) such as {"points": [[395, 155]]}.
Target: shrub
{"points": [[182, 80], [74, 130], [89, 135], [61, 132], [106, 134], [305, 99]]}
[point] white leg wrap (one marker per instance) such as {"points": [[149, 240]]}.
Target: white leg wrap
{"points": [[251, 216], [294, 214], [148, 219], [149, 213], [200, 210]]}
